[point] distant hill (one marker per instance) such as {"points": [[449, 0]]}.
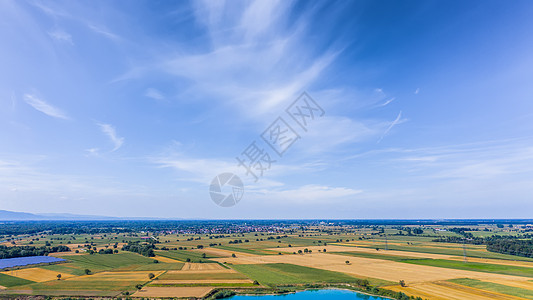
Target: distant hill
{"points": [[6, 215]]}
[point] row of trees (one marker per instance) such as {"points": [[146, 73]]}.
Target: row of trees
{"points": [[142, 249], [511, 246], [23, 251]]}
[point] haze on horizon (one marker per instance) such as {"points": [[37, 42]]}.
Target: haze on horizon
{"points": [[131, 108]]}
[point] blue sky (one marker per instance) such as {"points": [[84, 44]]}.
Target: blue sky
{"points": [[131, 108]]}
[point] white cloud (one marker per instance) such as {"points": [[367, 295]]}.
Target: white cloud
{"points": [[154, 94], [44, 107], [397, 121], [417, 91], [104, 32], [61, 35], [388, 101], [307, 194], [110, 131]]}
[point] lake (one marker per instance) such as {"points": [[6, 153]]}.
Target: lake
{"points": [[28, 260], [313, 295]]}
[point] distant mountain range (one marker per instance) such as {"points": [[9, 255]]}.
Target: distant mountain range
{"points": [[6, 215]]}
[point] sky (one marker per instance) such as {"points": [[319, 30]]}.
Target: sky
{"points": [[422, 109]]}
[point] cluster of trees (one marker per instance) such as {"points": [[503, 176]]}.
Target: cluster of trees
{"points": [[142, 249], [460, 240], [23, 251], [511, 246]]}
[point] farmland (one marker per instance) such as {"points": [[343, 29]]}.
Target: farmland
{"points": [[199, 259]]}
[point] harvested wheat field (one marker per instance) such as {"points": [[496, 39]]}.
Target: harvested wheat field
{"points": [[166, 259], [201, 267], [206, 281], [174, 292], [37, 274], [449, 291]]}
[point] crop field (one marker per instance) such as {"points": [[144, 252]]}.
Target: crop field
{"points": [[193, 264]]}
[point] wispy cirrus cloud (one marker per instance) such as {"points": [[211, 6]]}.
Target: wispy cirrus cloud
{"points": [[154, 94], [44, 107], [111, 133], [396, 121], [61, 35]]}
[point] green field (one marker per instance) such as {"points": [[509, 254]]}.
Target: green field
{"points": [[473, 266], [494, 287], [10, 281], [101, 262]]}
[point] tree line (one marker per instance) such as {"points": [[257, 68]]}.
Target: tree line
{"points": [[23, 251]]}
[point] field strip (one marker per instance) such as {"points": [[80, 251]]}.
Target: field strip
{"points": [[409, 254], [37, 274], [375, 268], [191, 281], [201, 271], [202, 267], [222, 252], [2, 287], [173, 292], [118, 276], [166, 259]]}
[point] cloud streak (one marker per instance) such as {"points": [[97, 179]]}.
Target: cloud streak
{"points": [[44, 107], [110, 131], [397, 121]]}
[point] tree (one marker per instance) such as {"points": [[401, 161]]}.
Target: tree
{"points": [[151, 275], [58, 276], [87, 271], [402, 283], [347, 262], [233, 255], [203, 255], [256, 282], [139, 286], [324, 250], [156, 261]]}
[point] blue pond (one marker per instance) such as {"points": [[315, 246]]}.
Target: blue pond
{"points": [[313, 295], [29, 260]]}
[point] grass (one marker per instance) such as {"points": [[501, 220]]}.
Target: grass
{"points": [[473, 266], [100, 262], [494, 287], [10, 281], [283, 274], [182, 255]]}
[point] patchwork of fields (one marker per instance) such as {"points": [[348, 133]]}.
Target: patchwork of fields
{"points": [[198, 268]]}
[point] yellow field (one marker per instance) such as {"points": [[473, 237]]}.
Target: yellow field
{"points": [[335, 248], [174, 292], [192, 281], [201, 267], [37, 274], [450, 291], [166, 259]]}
